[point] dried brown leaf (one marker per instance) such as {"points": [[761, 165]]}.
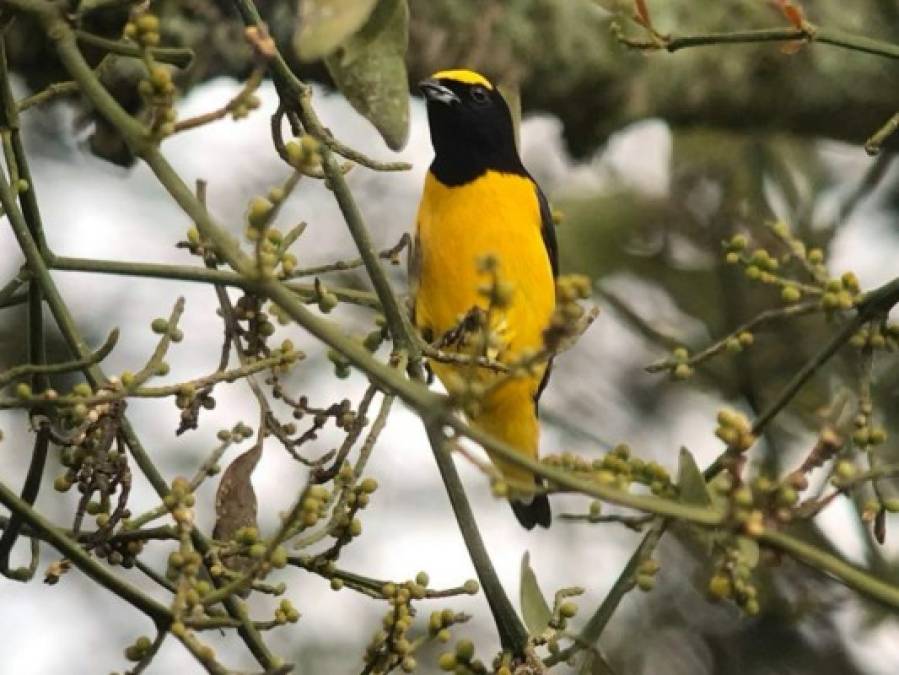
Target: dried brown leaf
{"points": [[235, 500]]}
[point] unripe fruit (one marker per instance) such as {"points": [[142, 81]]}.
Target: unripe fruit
{"points": [[645, 582], [720, 587], [464, 650], [791, 294], [279, 557], [260, 208], [891, 504], [62, 483], [327, 301], [738, 242], [295, 153], [846, 470], [160, 77], [148, 23], [682, 371]]}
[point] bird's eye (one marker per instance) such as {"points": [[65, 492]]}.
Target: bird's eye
{"points": [[479, 95]]}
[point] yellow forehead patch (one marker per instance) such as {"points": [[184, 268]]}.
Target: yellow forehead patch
{"points": [[464, 76]]}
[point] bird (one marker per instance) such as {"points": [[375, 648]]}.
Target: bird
{"points": [[479, 203]]}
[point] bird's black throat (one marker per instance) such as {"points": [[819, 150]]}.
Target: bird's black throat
{"points": [[459, 164]]}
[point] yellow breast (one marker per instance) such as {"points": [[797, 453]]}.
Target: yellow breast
{"points": [[496, 214]]}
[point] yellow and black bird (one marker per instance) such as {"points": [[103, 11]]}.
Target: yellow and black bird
{"points": [[479, 201]]}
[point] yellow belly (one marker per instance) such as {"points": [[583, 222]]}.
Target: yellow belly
{"points": [[497, 214]]}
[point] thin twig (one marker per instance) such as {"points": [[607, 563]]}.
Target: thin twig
{"points": [[761, 319], [251, 85], [180, 57], [879, 137]]}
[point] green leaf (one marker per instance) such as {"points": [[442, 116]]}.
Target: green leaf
{"points": [[690, 482], [324, 24], [534, 609], [369, 68]]}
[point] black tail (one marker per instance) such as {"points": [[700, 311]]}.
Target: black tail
{"points": [[535, 513]]}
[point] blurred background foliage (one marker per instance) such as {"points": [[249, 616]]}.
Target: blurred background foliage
{"points": [[748, 124], [560, 52]]}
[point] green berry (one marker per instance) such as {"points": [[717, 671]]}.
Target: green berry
{"points": [[160, 78], [891, 504], [738, 242], [259, 211], [791, 294], [82, 389], [62, 483], [645, 582], [682, 371], [720, 587], [464, 650], [846, 470], [327, 301], [279, 557], [148, 23]]}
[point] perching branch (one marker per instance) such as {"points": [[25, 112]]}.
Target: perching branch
{"points": [[809, 33]]}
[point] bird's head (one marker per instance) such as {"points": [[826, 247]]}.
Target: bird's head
{"points": [[471, 126]]}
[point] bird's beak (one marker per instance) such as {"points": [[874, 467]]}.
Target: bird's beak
{"points": [[434, 91]]}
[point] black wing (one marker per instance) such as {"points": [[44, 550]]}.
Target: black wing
{"points": [[548, 231]]}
